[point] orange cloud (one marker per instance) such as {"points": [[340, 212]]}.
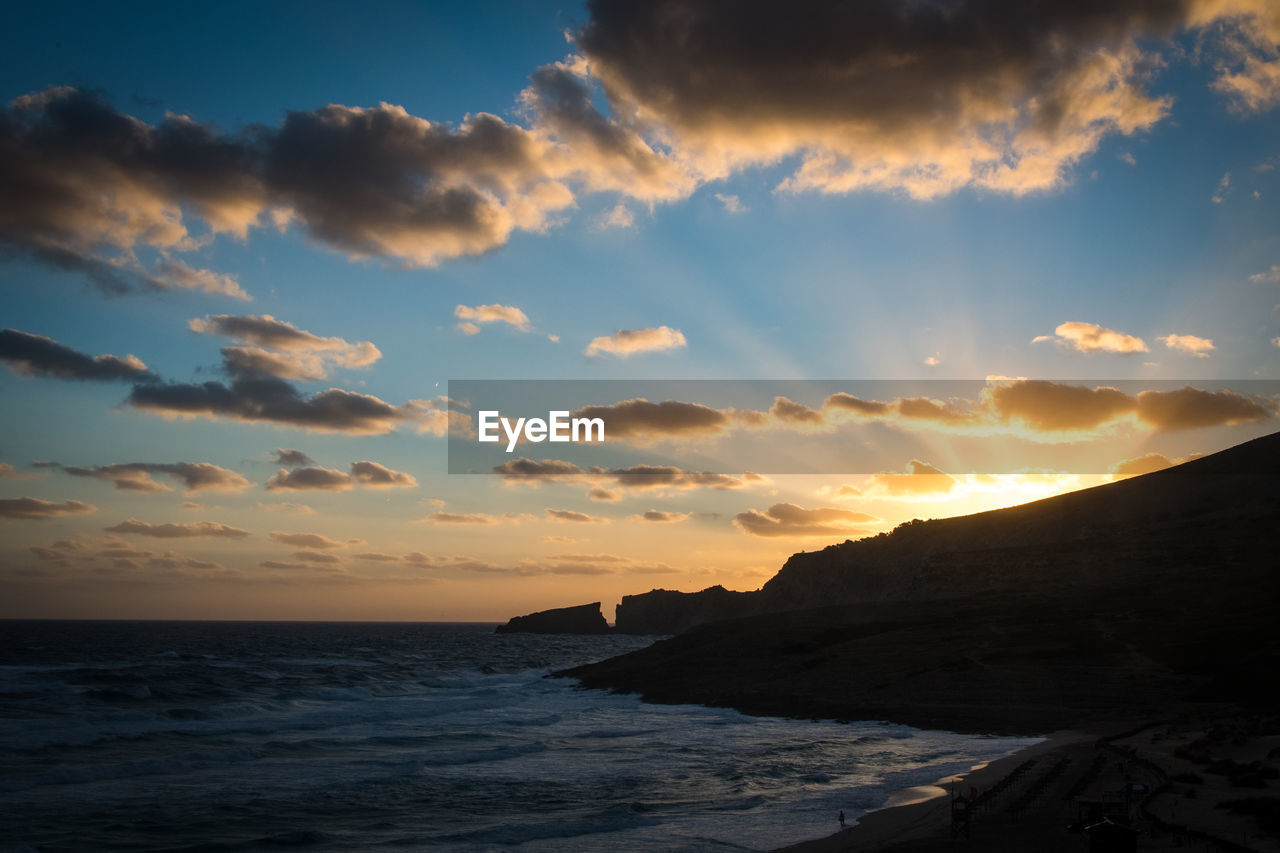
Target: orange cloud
{"points": [[920, 479], [1199, 347], [628, 342], [1090, 337], [790, 520]]}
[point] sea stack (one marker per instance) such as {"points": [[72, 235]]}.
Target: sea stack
{"points": [[580, 619]]}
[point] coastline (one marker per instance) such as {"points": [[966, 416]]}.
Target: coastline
{"points": [[918, 813]]}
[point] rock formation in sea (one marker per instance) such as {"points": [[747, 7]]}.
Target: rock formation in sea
{"points": [[580, 619]]}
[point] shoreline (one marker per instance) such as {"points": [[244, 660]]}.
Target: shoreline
{"points": [[923, 811]]}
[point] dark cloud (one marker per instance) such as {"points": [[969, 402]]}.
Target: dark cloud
{"points": [[539, 470], [84, 186], [1045, 405], [292, 458], [280, 349], [268, 399], [35, 355], [1194, 408], [33, 508], [921, 98], [371, 475], [179, 531], [522, 470], [661, 516], [787, 519], [793, 412], [640, 419], [603, 154], [136, 476], [301, 479]]}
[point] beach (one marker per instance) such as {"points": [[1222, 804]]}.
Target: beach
{"points": [[1188, 785]]}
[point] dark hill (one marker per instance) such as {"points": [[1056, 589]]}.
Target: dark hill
{"points": [[1115, 601]]}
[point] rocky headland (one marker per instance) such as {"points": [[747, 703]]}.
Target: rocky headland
{"points": [[1120, 601]]}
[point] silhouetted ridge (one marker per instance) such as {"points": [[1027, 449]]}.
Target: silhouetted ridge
{"points": [[1125, 599]]}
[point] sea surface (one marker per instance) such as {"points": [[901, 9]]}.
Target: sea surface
{"points": [[227, 736]]}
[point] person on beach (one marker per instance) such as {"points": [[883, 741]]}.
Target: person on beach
{"points": [[842, 818]]}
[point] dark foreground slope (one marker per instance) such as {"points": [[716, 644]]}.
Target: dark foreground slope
{"points": [[1125, 600]]}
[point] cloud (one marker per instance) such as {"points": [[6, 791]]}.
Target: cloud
{"points": [[284, 506], [790, 411], [636, 477], [599, 493], [1199, 347], [628, 342], [306, 540], [87, 187], [35, 508], [573, 516], [1222, 190], [1269, 276], [618, 216], [438, 416], [35, 355], [787, 519], [371, 475], [987, 95], [921, 100], [659, 516], [1248, 63], [920, 479], [136, 476], [279, 349], [266, 399], [472, 518], [309, 478], [641, 419], [179, 531], [314, 557], [1194, 408], [174, 272], [1052, 406], [590, 148], [1145, 464], [292, 458], [732, 204], [8, 472], [1090, 337], [483, 314]]}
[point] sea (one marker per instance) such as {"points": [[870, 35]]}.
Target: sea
{"points": [[232, 736]]}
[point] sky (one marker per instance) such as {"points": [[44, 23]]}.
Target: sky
{"points": [[821, 270]]}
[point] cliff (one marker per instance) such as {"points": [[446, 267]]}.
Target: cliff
{"points": [[581, 619], [1215, 511], [664, 611], [1138, 597]]}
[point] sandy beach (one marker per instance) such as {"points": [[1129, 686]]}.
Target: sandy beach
{"points": [[1029, 800]]}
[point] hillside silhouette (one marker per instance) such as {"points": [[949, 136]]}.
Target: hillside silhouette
{"points": [[1128, 599]]}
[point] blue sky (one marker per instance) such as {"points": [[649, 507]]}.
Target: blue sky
{"points": [[1155, 216]]}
